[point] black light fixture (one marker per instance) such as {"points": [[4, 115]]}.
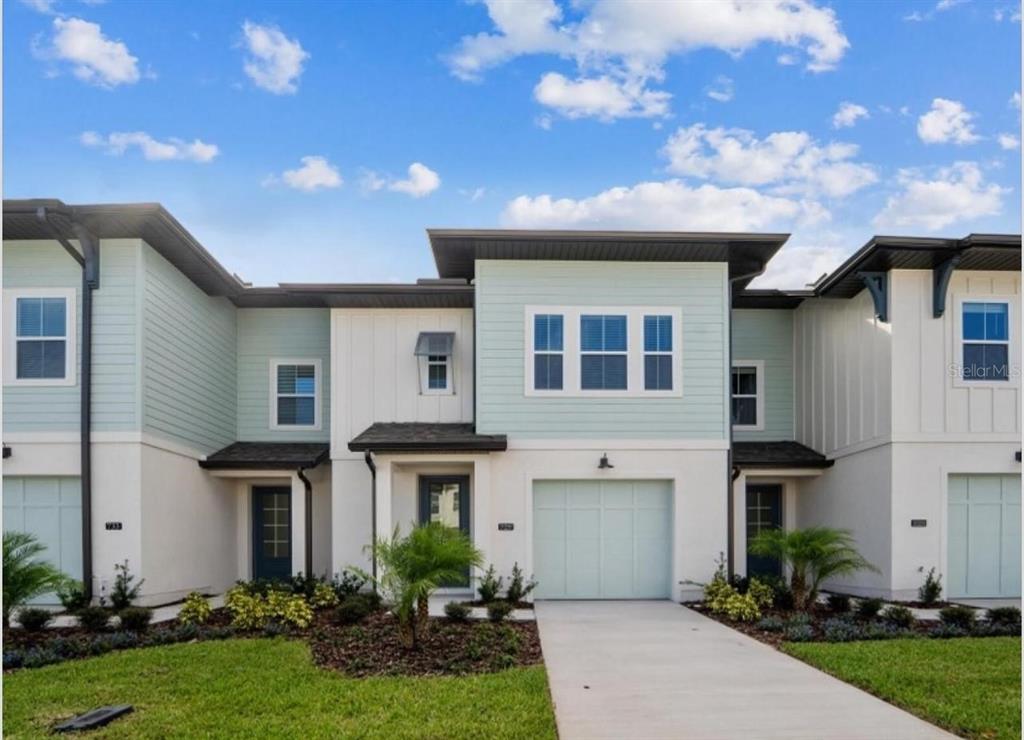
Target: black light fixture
{"points": [[604, 464]]}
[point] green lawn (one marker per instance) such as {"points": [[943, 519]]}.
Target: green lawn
{"points": [[970, 686], [264, 688]]}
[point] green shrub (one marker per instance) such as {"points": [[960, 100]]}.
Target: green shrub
{"points": [[498, 611], [490, 586], [25, 576], [457, 612], [869, 608], [93, 618], [718, 589], [771, 623], [248, 611], [762, 593], [519, 587], [195, 610], [841, 629], [352, 610], [899, 616], [303, 585], [839, 603], [739, 607], [931, 590], [347, 584], [136, 618], [800, 619], [72, 595], [324, 596], [1004, 616], [289, 609], [958, 616], [125, 589], [34, 620], [798, 633]]}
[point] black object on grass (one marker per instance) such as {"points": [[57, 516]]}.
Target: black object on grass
{"points": [[95, 718]]}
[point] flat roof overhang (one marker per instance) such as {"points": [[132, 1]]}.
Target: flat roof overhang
{"points": [[411, 437], [456, 250]]}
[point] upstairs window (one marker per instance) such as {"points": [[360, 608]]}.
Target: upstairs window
{"points": [[748, 395], [40, 337], [603, 352], [296, 394], [658, 353], [548, 349], [434, 350], [986, 341]]}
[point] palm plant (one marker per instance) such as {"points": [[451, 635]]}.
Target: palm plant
{"points": [[25, 576], [813, 555], [414, 566]]}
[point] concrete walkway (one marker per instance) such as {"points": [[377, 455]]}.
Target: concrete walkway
{"points": [[654, 669]]}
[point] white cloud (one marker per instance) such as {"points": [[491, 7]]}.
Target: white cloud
{"points": [[422, 181], [787, 60], [1014, 101], [473, 195], [543, 121], [722, 90], [93, 57], [947, 121], [119, 142], [1008, 141], [956, 193], [848, 114], [791, 161], [41, 6], [275, 62], [668, 205], [601, 97], [794, 266], [620, 48], [316, 173], [1011, 13]]}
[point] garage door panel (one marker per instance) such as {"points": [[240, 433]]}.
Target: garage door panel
{"points": [[50, 509], [983, 536], [549, 495], [616, 541]]}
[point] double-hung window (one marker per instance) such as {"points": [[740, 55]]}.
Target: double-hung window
{"points": [[603, 352], [748, 394], [434, 351], [986, 340], [658, 353], [295, 394], [40, 337], [548, 350]]}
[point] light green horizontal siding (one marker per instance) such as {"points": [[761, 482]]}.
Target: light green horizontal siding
{"points": [[767, 335], [115, 367], [505, 288], [189, 365], [265, 333]]}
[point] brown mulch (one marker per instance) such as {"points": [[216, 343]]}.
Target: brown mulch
{"points": [[517, 605], [16, 638], [372, 648]]}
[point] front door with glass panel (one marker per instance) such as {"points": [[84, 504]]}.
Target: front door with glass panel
{"points": [[764, 511], [272, 532], [445, 499]]}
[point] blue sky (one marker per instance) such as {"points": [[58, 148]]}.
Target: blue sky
{"points": [[317, 141]]}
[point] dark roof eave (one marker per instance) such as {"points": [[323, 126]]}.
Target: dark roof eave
{"points": [[498, 444], [267, 456], [782, 465]]}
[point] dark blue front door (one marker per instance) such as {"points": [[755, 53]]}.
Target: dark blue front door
{"points": [[445, 499], [272, 532], [764, 511]]}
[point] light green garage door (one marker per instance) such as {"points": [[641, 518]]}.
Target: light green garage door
{"points": [[984, 536], [602, 539], [51, 509]]}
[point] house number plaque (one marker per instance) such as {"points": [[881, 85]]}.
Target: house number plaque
{"points": [[506, 526]]}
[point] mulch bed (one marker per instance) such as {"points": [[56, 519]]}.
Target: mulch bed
{"points": [[372, 648], [21, 639], [517, 605]]}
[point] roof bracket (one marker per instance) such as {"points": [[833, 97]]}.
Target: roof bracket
{"points": [[877, 284], [941, 275]]}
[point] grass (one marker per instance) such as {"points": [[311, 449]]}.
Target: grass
{"points": [[970, 686], [270, 688]]}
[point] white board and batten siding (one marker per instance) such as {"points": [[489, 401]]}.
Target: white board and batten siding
{"points": [[929, 404], [375, 375]]}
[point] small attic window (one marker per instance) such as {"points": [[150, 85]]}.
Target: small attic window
{"points": [[434, 353]]}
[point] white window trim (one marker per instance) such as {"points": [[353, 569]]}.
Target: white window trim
{"points": [[425, 389], [275, 362], [758, 366], [10, 363], [571, 386], [956, 366]]}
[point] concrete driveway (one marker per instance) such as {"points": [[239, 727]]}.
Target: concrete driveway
{"points": [[654, 669]]}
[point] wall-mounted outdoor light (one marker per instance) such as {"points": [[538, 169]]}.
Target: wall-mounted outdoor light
{"points": [[604, 464]]}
